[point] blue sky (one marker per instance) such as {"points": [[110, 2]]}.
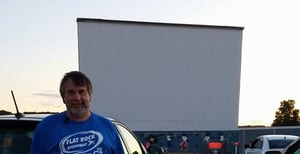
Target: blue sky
{"points": [[38, 44]]}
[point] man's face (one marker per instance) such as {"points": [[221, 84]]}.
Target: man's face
{"points": [[77, 100]]}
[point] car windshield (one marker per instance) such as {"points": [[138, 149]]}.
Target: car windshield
{"points": [[279, 144]]}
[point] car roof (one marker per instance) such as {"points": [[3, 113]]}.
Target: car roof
{"points": [[278, 136], [35, 117], [32, 117]]}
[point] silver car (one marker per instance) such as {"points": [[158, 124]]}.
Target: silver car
{"points": [[270, 143]]}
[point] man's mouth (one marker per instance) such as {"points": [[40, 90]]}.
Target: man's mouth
{"points": [[77, 105]]}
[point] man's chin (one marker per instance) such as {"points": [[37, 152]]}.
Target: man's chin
{"points": [[78, 112]]}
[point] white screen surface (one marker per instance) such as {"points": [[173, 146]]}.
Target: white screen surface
{"points": [[155, 76]]}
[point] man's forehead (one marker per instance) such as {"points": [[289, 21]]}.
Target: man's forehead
{"points": [[71, 84]]}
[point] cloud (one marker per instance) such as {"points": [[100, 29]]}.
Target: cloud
{"points": [[51, 95], [46, 101]]}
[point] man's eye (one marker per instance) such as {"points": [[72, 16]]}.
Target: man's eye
{"points": [[82, 92], [70, 93]]}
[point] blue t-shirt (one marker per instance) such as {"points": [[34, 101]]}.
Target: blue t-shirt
{"points": [[56, 134]]}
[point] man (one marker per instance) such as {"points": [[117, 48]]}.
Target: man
{"points": [[76, 130]]}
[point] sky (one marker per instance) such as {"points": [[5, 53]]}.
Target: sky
{"points": [[38, 44]]}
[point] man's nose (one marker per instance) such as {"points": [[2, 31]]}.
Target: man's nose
{"points": [[77, 95]]}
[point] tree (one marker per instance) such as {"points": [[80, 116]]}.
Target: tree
{"points": [[286, 114]]}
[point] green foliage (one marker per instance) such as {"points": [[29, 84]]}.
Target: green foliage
{"points": [[286, 114]]}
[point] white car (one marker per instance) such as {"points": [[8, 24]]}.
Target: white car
{"points": [[265, 143]]}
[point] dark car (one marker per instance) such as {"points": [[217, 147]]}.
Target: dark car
{"points": [[16, 132]]}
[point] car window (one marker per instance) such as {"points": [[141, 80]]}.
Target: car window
{"points": [[273, 144], [129, 139], [293, 148], [15, 139], [258, 144]]}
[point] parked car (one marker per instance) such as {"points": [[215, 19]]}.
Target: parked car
{"points": [[16, 132], [269, 144]]}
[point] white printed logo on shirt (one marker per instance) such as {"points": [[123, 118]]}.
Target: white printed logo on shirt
{"points": [[81, 142]]}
